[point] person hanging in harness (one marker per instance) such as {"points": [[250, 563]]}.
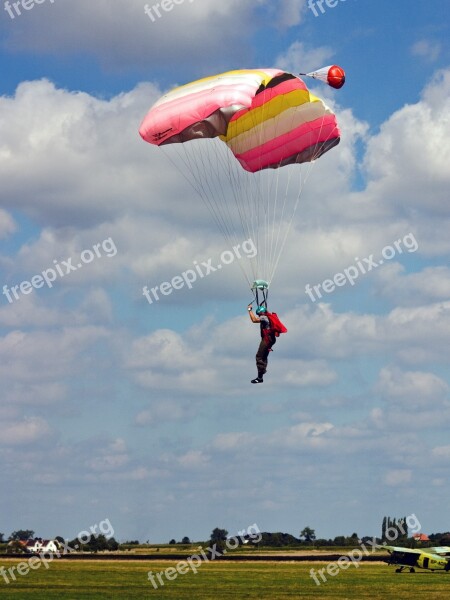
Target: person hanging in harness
{"points": [[270, 327]]}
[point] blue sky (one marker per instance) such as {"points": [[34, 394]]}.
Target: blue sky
{"points": [[142, 414]]}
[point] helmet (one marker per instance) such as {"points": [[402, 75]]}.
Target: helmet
{"points": [[260, 310]]}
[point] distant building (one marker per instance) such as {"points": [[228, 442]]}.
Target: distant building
{"points": [[39, 545], [421, 537]]}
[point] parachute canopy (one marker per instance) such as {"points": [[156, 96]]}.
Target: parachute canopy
{"points": [[268, 118], [228, 135]]}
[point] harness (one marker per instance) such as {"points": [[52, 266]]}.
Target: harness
{"points": [[273, 330]]}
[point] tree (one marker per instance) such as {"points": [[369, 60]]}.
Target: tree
{"points": [[218, 538], [339, 540], [112, 544], [15, 547], [2, 538], [308, 533], [22, 534], [383, 528], [132, 543], [172, 542], [185, 540], [394, 530]]}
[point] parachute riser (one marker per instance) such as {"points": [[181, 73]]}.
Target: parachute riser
{"points": [[261, 290]]}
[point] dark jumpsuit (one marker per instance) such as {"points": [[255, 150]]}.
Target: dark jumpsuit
{"points": [[267, 341]]}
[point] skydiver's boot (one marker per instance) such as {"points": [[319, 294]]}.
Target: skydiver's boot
{"points": [[257, 380]]}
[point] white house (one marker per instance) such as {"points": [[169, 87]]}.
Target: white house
{"points": [[39, 545]]}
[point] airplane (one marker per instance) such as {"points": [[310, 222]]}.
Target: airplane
{"points": [[432, 559]]}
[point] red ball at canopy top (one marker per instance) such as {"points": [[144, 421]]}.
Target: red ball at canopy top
{"points": [[336, 77]]}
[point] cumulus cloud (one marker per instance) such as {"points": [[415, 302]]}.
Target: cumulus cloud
{"points": [[72, 147], [24, 432], [90, 177], [301, 58], [406, 163], [130, 36], [431, 284], [415, 387]]}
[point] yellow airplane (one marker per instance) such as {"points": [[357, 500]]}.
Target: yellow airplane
{"points": [[432, 559]]}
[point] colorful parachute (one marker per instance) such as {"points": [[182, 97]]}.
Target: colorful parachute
{"points": [[268, 119]]}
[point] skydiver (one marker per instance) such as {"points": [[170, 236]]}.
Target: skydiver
{"points": [[268, 339]]}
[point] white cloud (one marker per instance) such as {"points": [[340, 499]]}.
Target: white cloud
{"points": [[431, 284], [415, 387], [7, 224], [163, 411], [428, 49], [398, 477], [309, 373], [27, 431], [299, 58], [194, 459], [442, 453], [202, 29], [407, 162]]}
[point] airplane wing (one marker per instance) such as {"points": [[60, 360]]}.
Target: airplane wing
{"points": [[438, 550], [441, 550], [406, 550]]}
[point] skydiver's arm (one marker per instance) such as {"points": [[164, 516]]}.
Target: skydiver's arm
{"points": [[252, 315]]}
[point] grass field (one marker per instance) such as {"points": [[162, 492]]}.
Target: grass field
{"points": [[73, 580]]}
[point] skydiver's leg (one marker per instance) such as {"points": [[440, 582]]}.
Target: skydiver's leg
{"points": [[261, 358]]}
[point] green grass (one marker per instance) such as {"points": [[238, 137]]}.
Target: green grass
{"points": [[76, 580]]}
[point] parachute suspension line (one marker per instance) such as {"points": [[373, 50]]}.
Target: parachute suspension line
{"points": [[219, 157], [194, 165], [267, 194], [254, 209], [197, 165], [275, 241], [213, 156], [275, 212], [316, 154], [244, 197], [237, 190], [302, 182]]}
